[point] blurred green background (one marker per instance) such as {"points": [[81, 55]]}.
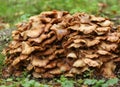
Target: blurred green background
{"points": [[13, 11]]}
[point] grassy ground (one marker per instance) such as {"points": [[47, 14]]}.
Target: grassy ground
{"points": [[14, 11]]}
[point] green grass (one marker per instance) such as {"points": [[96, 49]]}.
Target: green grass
{"points": [[12, 11], [60, 82]]}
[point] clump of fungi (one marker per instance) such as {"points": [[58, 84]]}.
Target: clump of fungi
{"points": [[57, 43]]}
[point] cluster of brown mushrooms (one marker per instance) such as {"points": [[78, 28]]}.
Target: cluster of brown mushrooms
{"points": [[57, 43]]}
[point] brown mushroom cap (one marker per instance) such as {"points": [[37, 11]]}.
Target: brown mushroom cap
{"points": [[57, 43], [79, 63]]}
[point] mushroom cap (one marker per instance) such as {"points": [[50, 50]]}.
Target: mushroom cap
{"points": [[56, 43], [79, 63]]}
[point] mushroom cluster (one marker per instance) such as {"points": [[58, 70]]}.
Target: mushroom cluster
{"points": [[57, 43]]}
